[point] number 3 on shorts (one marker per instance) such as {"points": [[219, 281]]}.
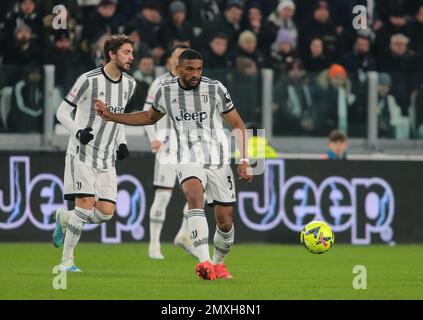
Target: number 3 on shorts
{"points": [[230, 181]]}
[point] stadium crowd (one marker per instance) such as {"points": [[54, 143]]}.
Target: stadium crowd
{"points": [[320, 61]]}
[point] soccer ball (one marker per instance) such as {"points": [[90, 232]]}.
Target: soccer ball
{"points": [[317, 237]]}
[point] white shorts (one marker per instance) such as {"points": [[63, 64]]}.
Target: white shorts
{"points": [[219, 184], [164, 173], [82, 180]]}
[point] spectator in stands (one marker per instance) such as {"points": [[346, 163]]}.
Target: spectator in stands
{"points": [[100, 22], [315, 59], [283, 52], [283, 19], [397, 23], [247, 47], [204, 11], [27, 102], [68, 62], [337, 98], [176, 26], [245, 89], [293, 97], [399, 64], [227, 23], [144, 76], [141, 49], [389, 112], [148, 22], [264, 30], [337, 147], [416, 33], [359, 61], [23, 50], [321, 26], [215, 56], [25, 13]]}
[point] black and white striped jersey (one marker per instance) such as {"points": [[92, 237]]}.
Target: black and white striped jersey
{"points": [[100, 153], [162, 129], [196, 116]]}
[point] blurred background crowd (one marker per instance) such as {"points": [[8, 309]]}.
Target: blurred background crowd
{"points": [[320, 62]]}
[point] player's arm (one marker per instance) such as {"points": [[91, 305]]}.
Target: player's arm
{"points": [[155, 143], [68, 106], [234, 120], [140, 118]]}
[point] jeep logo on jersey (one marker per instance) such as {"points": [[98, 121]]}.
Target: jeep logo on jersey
{"points": [[188, 116], [116, 109]]}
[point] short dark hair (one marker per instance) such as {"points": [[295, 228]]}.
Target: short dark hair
{"points": [[114, 42], [337, 136], [189, 54]]}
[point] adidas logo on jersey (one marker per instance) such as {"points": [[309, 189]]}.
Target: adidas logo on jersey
{"points": [[188, 116]]}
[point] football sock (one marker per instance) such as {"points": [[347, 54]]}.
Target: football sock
{"points": [[97, 217], [158, 214], [65, 217], [222, 244], [74, 230], [199, 233]]}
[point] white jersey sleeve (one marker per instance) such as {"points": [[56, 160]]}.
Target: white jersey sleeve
{"points": [[63, 115], [78, 91], [225, 103], [159, 103], [121, 138], [152, 91]]}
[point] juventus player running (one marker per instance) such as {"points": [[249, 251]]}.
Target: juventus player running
{"points": [[196, 106], [90, 175], [162, 142]]}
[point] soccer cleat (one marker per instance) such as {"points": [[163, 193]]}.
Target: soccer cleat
{"points": [[154, 252], [72, 268], [58, 234], [222, 272], [185, 243], [205, 270]]}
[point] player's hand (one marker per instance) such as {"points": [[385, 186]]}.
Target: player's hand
{"points": [[122, 152], [245, 172], [84, 135], [155, 145], [102, 110]]}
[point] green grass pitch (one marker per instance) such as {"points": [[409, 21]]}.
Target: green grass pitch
{"points": [[261, 271]]}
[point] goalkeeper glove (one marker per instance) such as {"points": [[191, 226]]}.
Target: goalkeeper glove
{"points": [[123, 152], [84, 135]]}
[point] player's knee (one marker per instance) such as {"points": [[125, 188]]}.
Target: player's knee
{"points": [[194, 197]]}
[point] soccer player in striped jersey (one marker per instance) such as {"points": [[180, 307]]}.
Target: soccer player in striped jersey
{"points": [[162, 142], [197, 107], [94, 145]]}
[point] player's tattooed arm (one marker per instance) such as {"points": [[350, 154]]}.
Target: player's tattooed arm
{"points": [[140, 118], [239, 132]]}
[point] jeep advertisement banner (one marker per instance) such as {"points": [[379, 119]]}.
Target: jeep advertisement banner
{"points": [[364, 201]]}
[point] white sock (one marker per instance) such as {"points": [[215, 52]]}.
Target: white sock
{"points": [[98, 217], [158, 214], [73, 233], [183, 230], [222, 244], [65, 217], [199, 233]]}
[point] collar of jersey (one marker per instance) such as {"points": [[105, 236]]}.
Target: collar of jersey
{"points": [[193, 88], [108, 78]]}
